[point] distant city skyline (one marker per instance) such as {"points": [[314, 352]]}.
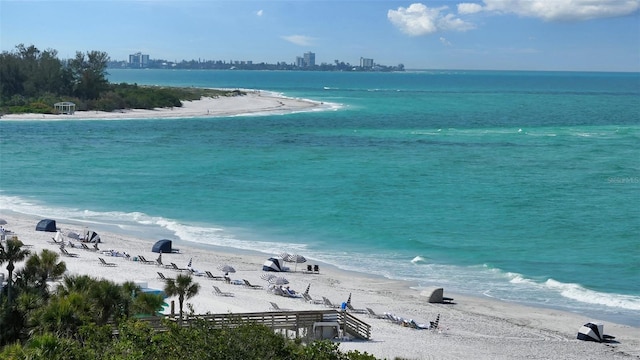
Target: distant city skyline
{"points": [[577, 35]]}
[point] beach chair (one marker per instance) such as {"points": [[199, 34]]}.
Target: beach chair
{"points": [[162, 277], [95, 247], [309, 268], [329, 304], [275, 306], [316, 269], [214, 277], [104, 263], [352, 309], [217, 291], [251, 286], [176, 268], [145, 261], [373, 314], [64, 252]]}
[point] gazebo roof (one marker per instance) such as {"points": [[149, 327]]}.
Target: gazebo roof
{"points": [[64, 103]]}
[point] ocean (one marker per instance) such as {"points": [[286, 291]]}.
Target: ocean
{"points": [[519, 186]]}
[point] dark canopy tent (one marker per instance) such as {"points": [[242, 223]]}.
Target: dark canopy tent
{"points": [[46, 225], [274, 264], [163, 246]]}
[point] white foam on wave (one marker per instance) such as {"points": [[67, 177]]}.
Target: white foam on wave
{"points": [[418, 259], [579, 293]]}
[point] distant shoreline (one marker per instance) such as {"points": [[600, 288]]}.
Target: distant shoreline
{"points": [[253, 103]]}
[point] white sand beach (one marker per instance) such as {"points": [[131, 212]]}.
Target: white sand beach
{"points": [[254, 102], [471, 328]]}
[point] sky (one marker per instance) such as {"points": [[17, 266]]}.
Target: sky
{"points": [[556, 35]]}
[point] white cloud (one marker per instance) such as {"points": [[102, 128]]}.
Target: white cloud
{"points": [[299, 40], [555, 10], [418, 19], [444, 41], [259, 13], [469, 8]]}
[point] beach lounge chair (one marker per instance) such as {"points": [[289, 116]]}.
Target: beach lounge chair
{"points": [[162, 277], [328, 303], [176, 268], [251, 286], [352, 309], [66, 253], [145, 261], [217, 291], [95, 247], [373, 314], [275, 306], [214, 277], [309, 268], [104, 263], [316, 269]]}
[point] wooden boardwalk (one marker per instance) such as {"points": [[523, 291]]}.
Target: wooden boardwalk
{"points": [[292, 323]]}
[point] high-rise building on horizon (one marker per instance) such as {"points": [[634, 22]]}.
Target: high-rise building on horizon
{"points": [[366, 63], [138, 60], [309, 59]]}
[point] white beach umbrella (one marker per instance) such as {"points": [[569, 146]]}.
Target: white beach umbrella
{"points": [[297, 259], [73, 235], [226, 269], [267, 277], [278, 280]]}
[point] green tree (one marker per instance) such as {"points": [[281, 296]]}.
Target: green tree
{"points": [[11, 253], [184, 287], [42, 268], [89, 74]]}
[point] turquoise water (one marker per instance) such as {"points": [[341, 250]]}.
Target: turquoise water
{"points": [[522, 186]]}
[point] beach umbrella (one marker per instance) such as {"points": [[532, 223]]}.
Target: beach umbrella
{"points": [[278, 280], [3, 222], [267, 277], [284, 256], [73, 235], [297, 259], [226, 269]]}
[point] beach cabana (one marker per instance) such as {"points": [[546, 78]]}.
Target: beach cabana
{"points": [[436, 295], [162, 246], [274, 264], [92, 236], [593, 331], [65, 107], [46, 225]]}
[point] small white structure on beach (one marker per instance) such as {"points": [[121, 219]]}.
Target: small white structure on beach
{"points": [[65, 107]]}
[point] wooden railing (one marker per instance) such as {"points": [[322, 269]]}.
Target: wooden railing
{"points": [[299, 322]]}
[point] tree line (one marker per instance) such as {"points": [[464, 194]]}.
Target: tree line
{"points": [[32, 81], [88, 318]]}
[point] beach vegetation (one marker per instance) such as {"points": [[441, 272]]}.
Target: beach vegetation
{"points": [[11, 253], [183, 287], [32, 81], [90, 318]]}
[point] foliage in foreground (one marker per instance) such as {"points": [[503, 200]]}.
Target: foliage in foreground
{"points": [[138, 341], [78, 318]]}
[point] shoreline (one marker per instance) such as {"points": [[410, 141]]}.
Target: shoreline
{"points": [[472, 327], [255, 102]]}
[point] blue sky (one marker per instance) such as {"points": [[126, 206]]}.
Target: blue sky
{"points": [[578, 35]]}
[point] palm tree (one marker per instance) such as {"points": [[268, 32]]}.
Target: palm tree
{"points": [[183, 286], [12, 252], [44, 267]]}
